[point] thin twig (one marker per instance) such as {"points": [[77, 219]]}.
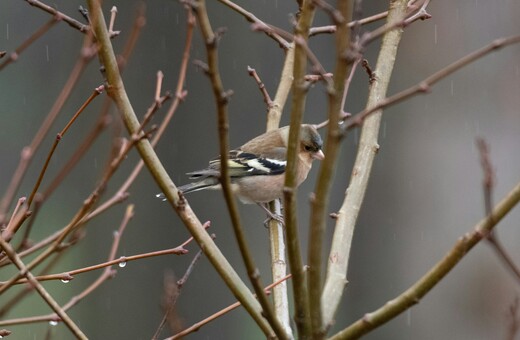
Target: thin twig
{"points": [[316, 65], [113, 14], [267, 99], [158, 86], [156, 105], [365, 21], [514, 319], [253, 19], [101, 124], [173, 299], [21, 201], [97, 91], [69, 275], [488, 184], [51, 10]]}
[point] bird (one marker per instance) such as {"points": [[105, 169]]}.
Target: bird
{"points": [[257, 168]]}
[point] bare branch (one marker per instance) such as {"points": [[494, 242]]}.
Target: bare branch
{"points": [[426, 283], [261, 86], [72, 22], [346, 218], [223, 125], [253, 19], [488, 185]]}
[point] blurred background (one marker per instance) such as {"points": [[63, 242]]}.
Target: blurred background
{"points": [[425, 190]]}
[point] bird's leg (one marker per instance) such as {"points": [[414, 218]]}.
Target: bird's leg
{"points": [[271, 215]]}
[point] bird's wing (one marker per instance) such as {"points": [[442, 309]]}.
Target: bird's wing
{"points": [[242, 164]]}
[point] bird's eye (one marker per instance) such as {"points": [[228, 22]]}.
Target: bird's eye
{"points": [[308, 148]]}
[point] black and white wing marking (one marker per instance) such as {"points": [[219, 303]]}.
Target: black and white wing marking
{"points": [[247, 164]]}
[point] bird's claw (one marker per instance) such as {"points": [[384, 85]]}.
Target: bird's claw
{"points": [[277, 218]]}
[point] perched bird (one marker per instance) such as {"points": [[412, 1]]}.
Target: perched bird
{"points": [[257, 168]]}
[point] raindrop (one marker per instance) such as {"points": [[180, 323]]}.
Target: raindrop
{"points": [[47, 52], [7, 31], [435, 34], [116, 233], [65, 280], [122, 262], [53, 322], [409, 317]]}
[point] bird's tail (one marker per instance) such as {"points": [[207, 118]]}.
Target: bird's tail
{"points": [[207, 183]]}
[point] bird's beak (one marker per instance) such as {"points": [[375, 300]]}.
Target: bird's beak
{"points": [[319, 155]]}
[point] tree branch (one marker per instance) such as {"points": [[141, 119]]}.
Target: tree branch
{"points": [[419, 289], [346, 219], [299, 91]]}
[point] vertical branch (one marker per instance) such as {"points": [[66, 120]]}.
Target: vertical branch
{"points": [[279, 269], [320, 200], [299, 89], [221, 98], [117, 91], [276, 230], [339, 254], [284, 87]]}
